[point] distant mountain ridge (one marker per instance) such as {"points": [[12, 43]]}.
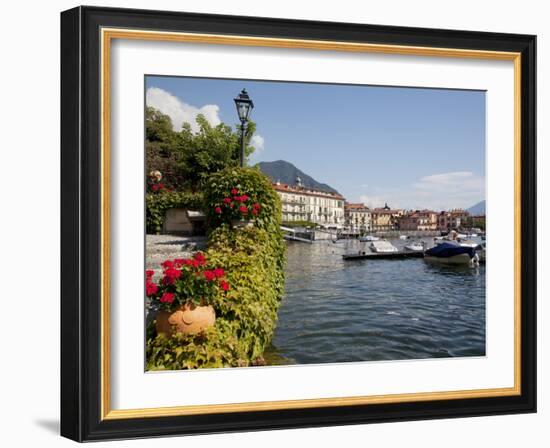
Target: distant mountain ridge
{"points": [[286, 173], [478, 209]]}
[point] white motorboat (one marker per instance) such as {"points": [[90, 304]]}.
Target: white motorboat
{"points": [[403, 237], [368, 238], [416, 246], [383, 247], [467, 243]]}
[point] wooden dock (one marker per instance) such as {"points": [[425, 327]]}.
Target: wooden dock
{"points": [[384, 256]]}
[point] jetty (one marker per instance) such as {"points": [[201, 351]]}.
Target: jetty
{"points": [[296, 235], [296, 238], [400, 255]]}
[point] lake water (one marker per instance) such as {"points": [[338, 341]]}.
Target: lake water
{"points": [[368, 310]]}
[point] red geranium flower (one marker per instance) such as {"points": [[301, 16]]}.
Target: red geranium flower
{"points": [[149, 273], [155, 187], [244, 197], [199, 256], [188, 262], [218, 210], [168, 264], [227, 200], [234, 191], [243, 209], [256, 206], [172, 272], [167, 297], [178, 262], [255, 211], [219, 272], [224, 285], [209, 275], [151, 289]]}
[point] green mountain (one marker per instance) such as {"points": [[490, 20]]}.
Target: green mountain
{"points": [[286, 173]]}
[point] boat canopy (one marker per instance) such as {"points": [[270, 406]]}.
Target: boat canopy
{"points": [[446, 250]]}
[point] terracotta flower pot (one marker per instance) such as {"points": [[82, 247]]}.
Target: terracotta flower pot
{"points": [[187, 319], [242, 223]]}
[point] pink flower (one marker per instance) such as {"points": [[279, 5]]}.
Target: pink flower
{"points": [[234, 191], [224, 285], [256, 206], [167, 297], [218, 210], [254, 211], [227, 200], [244, 197], [219, 272], [243, 209]]}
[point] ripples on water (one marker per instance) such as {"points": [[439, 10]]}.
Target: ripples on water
{"points": [[365, 310]]}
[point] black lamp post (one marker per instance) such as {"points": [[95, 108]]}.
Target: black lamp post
{"points": [[244, 107]]}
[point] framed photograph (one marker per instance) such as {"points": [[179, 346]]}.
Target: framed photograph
{"points": [[273, 223]]}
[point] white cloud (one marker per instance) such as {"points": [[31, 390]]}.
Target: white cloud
{"points": [[258, 143], [460, 189], [179, 111]]}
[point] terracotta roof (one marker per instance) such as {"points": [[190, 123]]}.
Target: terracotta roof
{"points": [[305, 191], [357, 206]]}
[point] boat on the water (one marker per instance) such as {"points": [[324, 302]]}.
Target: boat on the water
{"points": [[452, 253], [481, 251], [467, 243], [415, 246], [368, 238], [383, 247], [403, 237]]}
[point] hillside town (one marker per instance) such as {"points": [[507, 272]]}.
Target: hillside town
{"points": [[301, 204]]}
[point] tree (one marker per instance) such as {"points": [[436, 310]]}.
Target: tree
{"points": [[187, 158]]}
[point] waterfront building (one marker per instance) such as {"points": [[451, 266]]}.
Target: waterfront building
{"points": [[452, 219], [357, 217], [300, 203], [385, 218], [478, 222], [419, 220]]}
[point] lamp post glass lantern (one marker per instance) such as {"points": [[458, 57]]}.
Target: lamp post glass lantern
{"points": [[244, 107]]}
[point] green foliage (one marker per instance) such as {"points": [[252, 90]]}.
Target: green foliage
{"points": [[156, 205], [187, 158], [253, 259], [249, 181]]}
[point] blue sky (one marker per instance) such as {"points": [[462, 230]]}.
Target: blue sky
{"points": [[409, 147]]}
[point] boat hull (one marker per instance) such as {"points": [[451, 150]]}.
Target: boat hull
{"points": [[460, 259]]}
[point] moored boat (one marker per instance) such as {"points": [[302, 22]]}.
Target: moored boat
{"points": [[383, 247], [368, 238], [452, 253], [416, 246]]}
